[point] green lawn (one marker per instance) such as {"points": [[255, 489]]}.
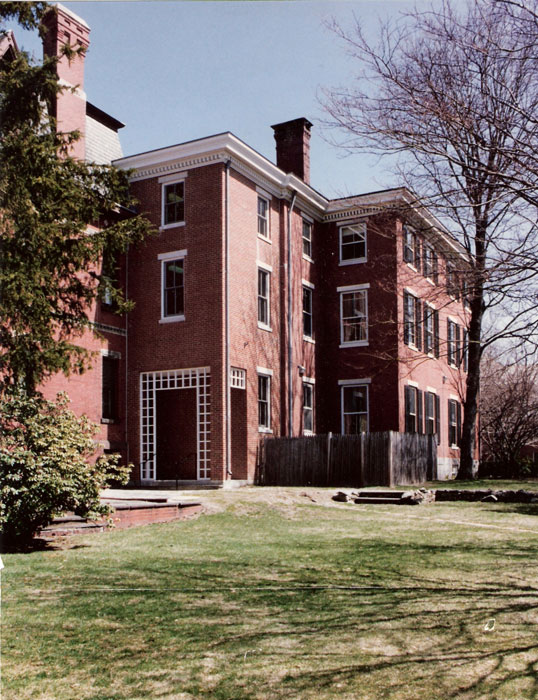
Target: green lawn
{"points": [[270, 595]]}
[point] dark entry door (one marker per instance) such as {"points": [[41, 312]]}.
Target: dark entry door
{"points": [[176, 434]]}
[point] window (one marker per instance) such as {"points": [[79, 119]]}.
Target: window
{"points": [[108, 281], [431, 331], [465, 351], [431, 414], [411, 247], [264, 402], [110, 367], [173, 288], [412, 321], [307, 312], [454, 346], [354, 316], [353, 243], [308, 407], [452, 281], [354, 409], [430, 264], [307, 238], [413, 410], [454, 422], [263, 217], [173, 203], [264, 286]]}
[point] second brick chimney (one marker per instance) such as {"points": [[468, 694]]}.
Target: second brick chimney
{"points": [[293, 147], [65, 27]]}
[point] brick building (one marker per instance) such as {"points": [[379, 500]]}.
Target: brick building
{"points": [[264, 308]]}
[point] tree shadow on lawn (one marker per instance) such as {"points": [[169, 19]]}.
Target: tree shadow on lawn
{"points": [[520, 508], [39, 544]]}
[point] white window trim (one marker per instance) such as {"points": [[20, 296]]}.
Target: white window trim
{"points": [[264, 265], [353, 382], [412, 383], [163, 257], [264, 372], [306, 283], [110, 353], [264, 195], [266, 268], [353, 287], [174, 179], [347, 383], [353, 261], [342, 291], [311, 382], [309, 285], [310, 221]]}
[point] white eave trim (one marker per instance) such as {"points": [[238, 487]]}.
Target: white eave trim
{"points": [[220, 148]]}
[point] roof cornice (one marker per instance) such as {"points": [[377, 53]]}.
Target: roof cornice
{"points": [[219, 148]]}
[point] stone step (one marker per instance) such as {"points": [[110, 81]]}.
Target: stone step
{"points": [[380, 494], [378, 500]]}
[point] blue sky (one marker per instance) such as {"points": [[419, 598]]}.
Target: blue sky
{"points": [[175, 71]]}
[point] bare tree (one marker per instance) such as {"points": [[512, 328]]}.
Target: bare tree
{"points": [[508, 410], [453, 97]]}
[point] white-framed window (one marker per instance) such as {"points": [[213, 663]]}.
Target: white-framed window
{"points": [[452, 281], [308, 327], [264, 298], [173, 203], [353, 244], [454, 422], [173, 286], [430, 263], [411, 246], [354, 402], [431, 330], [264, 402], [307, 239], [308, 406], [412, 320], [453, 344], [353, 315], [263, 217], [413, 409], [432, 422]]}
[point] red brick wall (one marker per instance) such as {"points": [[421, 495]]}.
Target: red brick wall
{"points": [[198, 340]]}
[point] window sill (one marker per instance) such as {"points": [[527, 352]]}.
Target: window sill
{"points": [[109, 421], [308, 339], [266, 431], [264, 238], [308, 433], [411, 266], [454, 447], [354, 344], [172, 319], [263, 327], [164, 227], [308, 258], [353, 261], [430, 281]]}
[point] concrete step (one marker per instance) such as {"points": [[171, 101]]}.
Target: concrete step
{"points": [[378, 500]]}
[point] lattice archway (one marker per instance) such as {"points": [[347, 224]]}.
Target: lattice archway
{"points": [[198, 378]]}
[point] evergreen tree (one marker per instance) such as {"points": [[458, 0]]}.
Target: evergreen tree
{"points": [[52, 222]]}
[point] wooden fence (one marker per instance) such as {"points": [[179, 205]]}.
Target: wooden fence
{"points": [[368, 459]]}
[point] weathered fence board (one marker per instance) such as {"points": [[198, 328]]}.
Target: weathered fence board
{"points": [[368, 459]]}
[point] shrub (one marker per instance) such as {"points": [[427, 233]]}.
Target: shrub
{"points": [[47, 466]]}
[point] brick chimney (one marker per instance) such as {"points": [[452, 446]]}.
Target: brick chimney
{"points": [[293, 147], [65, 27]]}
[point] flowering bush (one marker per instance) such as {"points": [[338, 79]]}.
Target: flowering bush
{"points": [[46, 466]]}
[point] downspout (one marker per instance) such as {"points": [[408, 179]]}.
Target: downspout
{"points": [[290, 321], [127, 358], [227, 369]]}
